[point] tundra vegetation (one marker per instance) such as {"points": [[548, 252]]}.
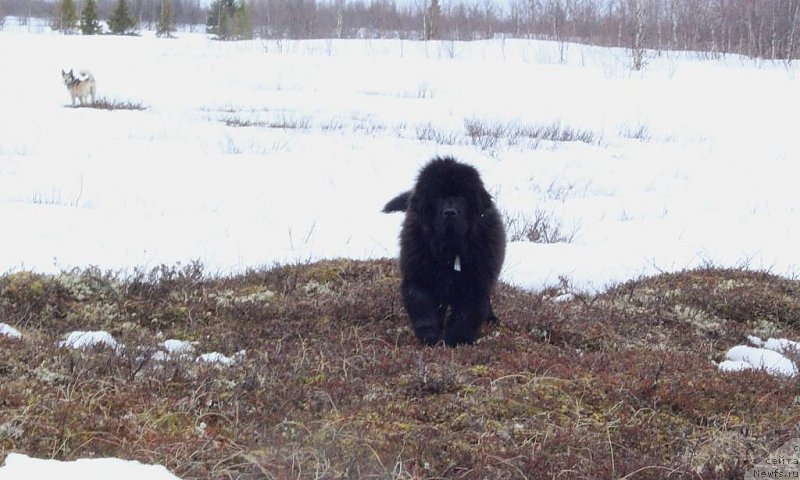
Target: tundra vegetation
{"points": [[333, 382]]}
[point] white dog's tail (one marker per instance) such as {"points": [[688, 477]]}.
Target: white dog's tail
{"points": [[86, 75]]}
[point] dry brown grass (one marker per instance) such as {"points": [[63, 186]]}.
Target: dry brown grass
{"points": [[102, 103], [488, 135], [334, 385], [540, 227]]}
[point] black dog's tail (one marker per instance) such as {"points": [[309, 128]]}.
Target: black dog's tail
{"points": [[398, 203]]}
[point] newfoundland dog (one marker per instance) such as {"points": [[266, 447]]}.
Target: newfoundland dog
{"points": [[452, 246]]}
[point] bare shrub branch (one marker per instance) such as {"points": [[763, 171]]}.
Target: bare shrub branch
{"points": [[542, 227], [102, 103], [427, 132], [489, 135]]}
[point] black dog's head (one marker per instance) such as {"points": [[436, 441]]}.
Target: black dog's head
{"points": [[450, 216], [449, 197]]}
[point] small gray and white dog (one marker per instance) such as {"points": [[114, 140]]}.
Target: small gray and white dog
{"points": [[80, 87]]}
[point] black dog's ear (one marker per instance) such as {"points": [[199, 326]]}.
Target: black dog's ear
{"points": [[398, 203]]}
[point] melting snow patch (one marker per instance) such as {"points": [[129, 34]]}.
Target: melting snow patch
{"points": [[22, 466], [173, 348], [80, 339], [755, 340], [767, 355], [566, 297], [782, 345], [159, 356], [9, 331], [178, 347], [216, 357], [734, 366]]}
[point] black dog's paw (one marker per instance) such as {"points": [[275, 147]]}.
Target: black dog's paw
{"points": [[428, 334], [456, 338]]}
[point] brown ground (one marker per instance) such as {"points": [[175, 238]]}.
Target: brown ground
{"points": [[334, 385]]}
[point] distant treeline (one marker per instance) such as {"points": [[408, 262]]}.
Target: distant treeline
{"points": [[186, 12], [757, 28]]}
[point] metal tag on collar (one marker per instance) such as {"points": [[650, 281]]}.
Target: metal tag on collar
{"points": [[457, 264]]}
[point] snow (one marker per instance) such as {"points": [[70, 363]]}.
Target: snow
{"points": [[172, 348], [734, 366], [18, 466], [174, 183], [781, 345], [182, 349], [218, 358], [338, 127], [82, 340], [9, 331], [768, 355], [178, 347], [565, 297]]}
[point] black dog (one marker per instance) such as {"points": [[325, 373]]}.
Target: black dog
{"points": [[452, 247]]}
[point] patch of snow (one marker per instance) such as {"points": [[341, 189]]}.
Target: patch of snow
{"points": [[216, 357], [9, 331], [782, 345], [178, 347], [565, 297], [173, 348], [81, 340], [734, 366], [159, 356], [755, 340], [18, 466], [771, 361]]}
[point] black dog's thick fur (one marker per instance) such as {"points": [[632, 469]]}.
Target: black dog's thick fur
{"points": [[452, 247]]}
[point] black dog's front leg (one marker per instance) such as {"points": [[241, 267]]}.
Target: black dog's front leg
{"points": [[490, 315], [465, 321], [426, 315]]}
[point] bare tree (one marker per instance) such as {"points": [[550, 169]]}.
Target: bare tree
{"points": [[431, 24], [637, 34], [768, 29]]}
